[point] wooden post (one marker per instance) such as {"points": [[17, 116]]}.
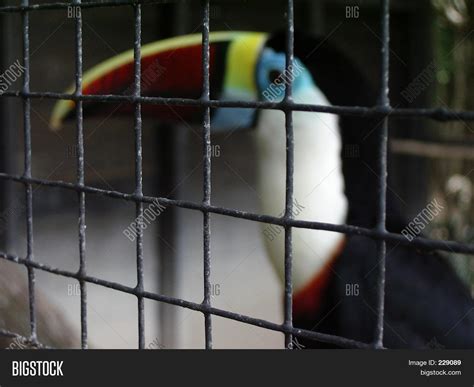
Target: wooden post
{"points": [[172, 21]]}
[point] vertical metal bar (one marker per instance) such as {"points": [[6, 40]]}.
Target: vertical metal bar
{"points": [[139, 172], [384, 101], [80, 174], [7, 136], [27, 168], [288, 305], [206, 140]]}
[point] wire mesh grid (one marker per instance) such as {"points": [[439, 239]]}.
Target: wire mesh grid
{"points": [[379, 233]]}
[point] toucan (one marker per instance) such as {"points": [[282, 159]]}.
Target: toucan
{"points": [[335, 159]]}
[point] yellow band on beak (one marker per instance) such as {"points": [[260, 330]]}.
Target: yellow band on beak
{"points": [[242, 61]]}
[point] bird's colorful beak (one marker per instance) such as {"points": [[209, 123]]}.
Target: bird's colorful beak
{"points": [[172, 68]]}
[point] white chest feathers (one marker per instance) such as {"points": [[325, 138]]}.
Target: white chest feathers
{"points": [[318, 184]]}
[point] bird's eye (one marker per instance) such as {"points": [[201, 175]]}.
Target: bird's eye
{"points": [[274, 75]]}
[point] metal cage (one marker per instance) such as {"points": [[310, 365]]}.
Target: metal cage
{"points": [[383, 110]]}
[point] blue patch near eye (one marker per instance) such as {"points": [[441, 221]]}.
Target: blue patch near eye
{"points": [[269, 61], [274, 90]]}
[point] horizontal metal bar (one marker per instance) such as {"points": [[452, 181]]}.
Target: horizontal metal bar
{"points": [[96, 4], [418, 242], [116, 3], [198, 307], [437, 114]]}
